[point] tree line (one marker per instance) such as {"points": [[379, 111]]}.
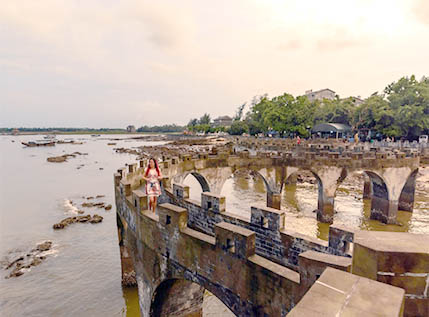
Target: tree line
{"points": [[401, 110]]}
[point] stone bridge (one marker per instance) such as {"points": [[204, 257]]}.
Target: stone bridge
{"points": [[259, 267], [390, 181]]}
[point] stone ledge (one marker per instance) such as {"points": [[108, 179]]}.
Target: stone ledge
{"points": [[339, 293], [230, 227], [329, 259], [402, 242], [275, 268], [199, 235]]}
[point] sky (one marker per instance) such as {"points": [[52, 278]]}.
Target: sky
{"points": [[111, 63]]}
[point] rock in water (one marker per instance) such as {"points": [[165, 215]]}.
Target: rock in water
{"points": [[96, 219], [45, 246]]}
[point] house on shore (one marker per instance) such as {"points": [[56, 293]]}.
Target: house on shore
{"points": [[320, 94], [222, 121]]}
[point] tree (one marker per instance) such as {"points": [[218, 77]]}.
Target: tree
{"points": [[205, 119], [239, 113], [409, 101], [238, 128], [335, 111], [192, 123]]}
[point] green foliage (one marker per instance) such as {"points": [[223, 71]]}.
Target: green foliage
{"points": [[238, 128], [205, 119], [335, 111], [192, 122], [203, 128], [402, 111], [284, 114], [162, 128]]}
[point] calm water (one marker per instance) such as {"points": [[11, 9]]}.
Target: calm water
{"points": [[81, 275]]}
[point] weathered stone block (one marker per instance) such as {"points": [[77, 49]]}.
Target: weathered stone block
{"points": [[235, 239], [132, 168], [398, 258], [181, 191], [340, 238], [212, 202], [117, 178], [125, 187], [140, 200], [268, 218], [312, 264], [172, 216]]}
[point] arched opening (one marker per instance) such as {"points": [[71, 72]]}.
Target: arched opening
{"points": [[406, 199], [349, 202], [299, 200], [178, 297], [197, 184], [300, 194], [243, 189]]}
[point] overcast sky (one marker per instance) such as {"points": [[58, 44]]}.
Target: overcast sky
{"points": [[110, 63]]}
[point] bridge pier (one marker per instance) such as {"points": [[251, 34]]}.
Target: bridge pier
{"points": [[367, 187], [325, 207], [127, 267], [273, 200], [328, 179], [388, 187]]}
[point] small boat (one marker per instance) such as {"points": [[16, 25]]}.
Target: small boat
{"points": [[50, 136], [38, 143]]}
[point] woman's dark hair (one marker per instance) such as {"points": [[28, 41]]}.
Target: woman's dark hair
{"points": [[156, 167]]}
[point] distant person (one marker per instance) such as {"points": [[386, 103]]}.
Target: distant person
{"points": [[153, 187], [357, 137], [298, 140]]}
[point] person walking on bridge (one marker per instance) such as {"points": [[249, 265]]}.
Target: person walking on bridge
{"points": [[153, 188]]}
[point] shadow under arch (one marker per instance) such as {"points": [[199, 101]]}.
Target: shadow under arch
{"points": [[406, 199], [176, 296], [380, 196]]}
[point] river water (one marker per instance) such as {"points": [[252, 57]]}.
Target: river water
{"points": [[81, 273]]}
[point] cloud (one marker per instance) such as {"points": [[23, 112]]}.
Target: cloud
{"points": [[339, 38], [421, 11]]}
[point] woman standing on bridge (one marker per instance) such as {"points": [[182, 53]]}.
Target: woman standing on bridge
{"points": [[153, 187]]}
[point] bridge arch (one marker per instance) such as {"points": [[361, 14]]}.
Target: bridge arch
{"points": [[179, 296], [291, 192], [205, 187], [250, 171]]}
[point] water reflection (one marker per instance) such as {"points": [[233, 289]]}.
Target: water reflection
{"points": [[131, 297]]}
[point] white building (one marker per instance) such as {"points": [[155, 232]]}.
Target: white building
{"points": [[320, 94]]}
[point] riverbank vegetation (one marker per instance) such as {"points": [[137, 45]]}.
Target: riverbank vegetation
{"points": [[401, 110]]}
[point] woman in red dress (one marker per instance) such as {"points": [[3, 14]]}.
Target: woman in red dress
{"points": [[153, 188]]}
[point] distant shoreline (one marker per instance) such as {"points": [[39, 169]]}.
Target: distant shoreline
{"points": [[87, 133]]}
